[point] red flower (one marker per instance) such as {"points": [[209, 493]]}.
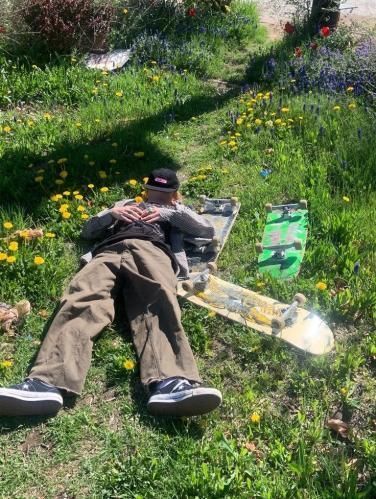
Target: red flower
{"points": [[298, 52], [325, 31], [313, 45], [289, 28], [191, 12]]}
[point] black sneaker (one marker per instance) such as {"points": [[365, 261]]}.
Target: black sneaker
{"points": [[178, 397], [30, 398]]}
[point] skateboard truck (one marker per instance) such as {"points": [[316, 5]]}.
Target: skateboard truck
{"points": [[287, 208], [217, 205], [289, 315], [279, 250], [200, 281]]}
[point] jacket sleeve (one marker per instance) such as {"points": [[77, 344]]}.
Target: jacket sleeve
{"points": [[96, 226], [188, 221]]}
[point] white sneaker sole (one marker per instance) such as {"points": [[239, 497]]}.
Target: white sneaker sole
{"points": [[188, 403], [21, 403]]}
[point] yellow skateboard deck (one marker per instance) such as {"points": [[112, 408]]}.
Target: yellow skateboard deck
{"points": [[291, 323]]}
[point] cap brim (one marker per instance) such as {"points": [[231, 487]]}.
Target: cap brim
{"points": [[161, 189]]}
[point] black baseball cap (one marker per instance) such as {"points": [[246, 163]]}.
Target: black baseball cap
{"points": [[162, 179]]}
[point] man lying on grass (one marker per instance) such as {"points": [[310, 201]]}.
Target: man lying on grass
{"points": [[139, 254]]}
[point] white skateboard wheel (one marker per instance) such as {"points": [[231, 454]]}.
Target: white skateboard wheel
{"points": [[298, 244], [234, 201], [259, 248], [300, 298], [212, 267], [278, 323], [188, 286], [303, 204], [269, 207]]}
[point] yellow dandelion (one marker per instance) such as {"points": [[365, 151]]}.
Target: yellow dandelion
{"points": [[59, 181], [63, 207], [13, 246], [91, 186], [321, 286], [81, 208], [47, 116], [78, 125], [239, 121], [223, 142], [139, 154], [39, 178], [128, 364], [156, 78], [145, 180], [11, 259], [66, 214], [336, 108], [61, 161], [346, 199], [75, 192], [119, 94], [7, 225], [104, 73], [6, 364], [7, 129], [104, 189], [79, 197], [113, 161], [63, 174], [344, 391], [66, 193], [258, 121], [38, 260], [212, 313], [138, 199], [84, 216], [132, 182], [3, 256], [352, 105], [350, 89], [125, 11], [255, 417], [285, 110], [278, 121], [51, 235]]}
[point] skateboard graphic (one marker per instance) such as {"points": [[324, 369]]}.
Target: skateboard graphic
{"points": [[283, 244], [222, 214], [291, 323]]}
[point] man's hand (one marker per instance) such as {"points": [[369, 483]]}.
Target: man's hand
{"points": [[129, 213], [151, 214]]}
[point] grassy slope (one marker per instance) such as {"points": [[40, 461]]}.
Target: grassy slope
{"points": [[107, 445]]}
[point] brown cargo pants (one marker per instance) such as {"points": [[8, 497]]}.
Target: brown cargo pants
{"points": [[143, 274]]}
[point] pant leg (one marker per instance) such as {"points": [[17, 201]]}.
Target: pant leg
{"points": [[86, 308], [154, 313]]}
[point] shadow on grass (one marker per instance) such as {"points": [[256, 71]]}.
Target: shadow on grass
{"points": [[17, 184], [261, 66]]}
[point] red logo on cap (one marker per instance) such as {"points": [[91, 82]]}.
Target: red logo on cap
{"points": [[160, 180]]}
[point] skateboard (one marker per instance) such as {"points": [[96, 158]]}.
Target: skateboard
{"points": [[222, 214], [289, 322], [282, 248]]}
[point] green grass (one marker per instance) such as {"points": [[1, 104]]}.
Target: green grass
{"points": [[106, 445]]}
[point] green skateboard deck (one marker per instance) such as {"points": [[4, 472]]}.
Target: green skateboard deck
{"points": [[283, 244], [222, 214]]}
